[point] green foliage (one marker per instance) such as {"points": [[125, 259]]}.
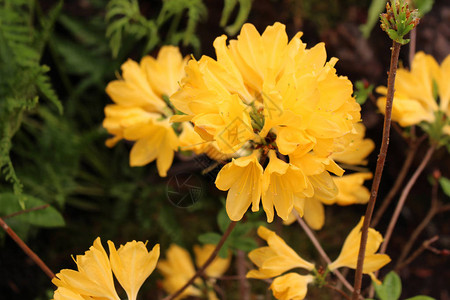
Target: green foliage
{"points": [[239, 237], [373, 15], [23, 78], [377, 7], [391, 289], [424, 6], [399, 20], [435, 130], [362, 91], [242, 15], [47, 217], [445, 185], [21, 223], [126, 20]]}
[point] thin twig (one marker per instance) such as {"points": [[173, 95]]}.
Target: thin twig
{"points": [[341, 292], [434, 208], [398, 182], [378, 171], [34, 257], [416, 253], [412, 46], [322, 252], [403, 196], [25, 211], [206, 264], [244, 286]]}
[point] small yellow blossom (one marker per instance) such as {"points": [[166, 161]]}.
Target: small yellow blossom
{"points": [[276, 258], [355, 148], [349, 253], [243, 178], [416, 91], [351, 189], [140, 112], [132, 264], [178, 268], [291, 286]]}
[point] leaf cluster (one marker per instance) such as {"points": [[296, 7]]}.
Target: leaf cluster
{"points": [[176, 23], [24, 79], [391, 289]]}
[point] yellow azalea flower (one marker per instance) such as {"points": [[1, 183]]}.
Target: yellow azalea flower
{"points": [[349, 253], [351, 189], [282, 182], [178, 268], [243, 178], [416, 91], [291, 286], [132, 264], [355, 148], [153, 141], [219, 265], [266, 94], [140, 112], [276, 258]]}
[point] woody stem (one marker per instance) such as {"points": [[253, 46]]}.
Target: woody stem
{"points": [[322, 252], [27, 250], [378, 171]]}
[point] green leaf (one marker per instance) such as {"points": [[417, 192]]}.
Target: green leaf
{"points": [[391, 288], [445, 185], [223, 220], [362, 91], [209, 238], [424, 6], [48, 217], [375, 9], [245, 244], [421, 297]]}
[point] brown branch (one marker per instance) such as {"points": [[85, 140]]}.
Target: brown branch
{"points": [[34, 257], [25, 211], [341, 292], [412, 46], [206, 264], [244, 286], [414, 145], [403, 196], [434, 208], [425, 245], [322, 252], [378, 171]]}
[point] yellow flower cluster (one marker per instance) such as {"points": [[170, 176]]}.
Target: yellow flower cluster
{"points": [[131, 264], [278, 258], [142, 108], [417, 90], [178, 269], [344, 190], [267, 97]]}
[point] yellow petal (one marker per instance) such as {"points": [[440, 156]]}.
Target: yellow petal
{"points": [[219, 265], [275, 259], [291, 286], [349, 253], [132, 264], [243, 178]]}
